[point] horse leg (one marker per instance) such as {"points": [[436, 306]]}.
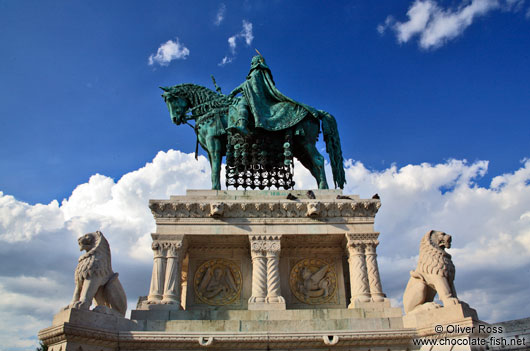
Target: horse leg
{"points": [[213, 146], [310, 157], [316, 166], [305, 160]]}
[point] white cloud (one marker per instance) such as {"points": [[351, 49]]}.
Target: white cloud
{"points": [[490, 227], [381, 28], [220, 16], [435, 25], [232, 44], [169, 51], [224, 61], [245, 34]]}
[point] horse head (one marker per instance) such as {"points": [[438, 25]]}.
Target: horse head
{"points": [[176, 104]]}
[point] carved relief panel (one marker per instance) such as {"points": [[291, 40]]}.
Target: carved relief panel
{"points": [[218, 282], [314, 281]]}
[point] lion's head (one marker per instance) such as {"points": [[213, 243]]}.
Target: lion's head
{"points": [[217, 209], [96, 260], [87, 241], [433, 257]]}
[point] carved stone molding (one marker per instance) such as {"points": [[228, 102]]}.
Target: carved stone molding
{"points": [[265, 242], [131, 340], [301, 209], [361, 238]]}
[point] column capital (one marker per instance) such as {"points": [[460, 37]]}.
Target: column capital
{"points": [[267, 243], [356, 238]]}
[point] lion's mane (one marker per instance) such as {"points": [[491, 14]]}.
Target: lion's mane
{"points": [[433, 259], [97, 260]]}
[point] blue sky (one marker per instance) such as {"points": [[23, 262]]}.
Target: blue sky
{"points": [[79, 97], [417, 88]]}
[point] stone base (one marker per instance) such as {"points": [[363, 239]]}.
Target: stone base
{"points": [[266, 306], [304, 320], [93, 319], [275, 330], [385, 303], [440, 316], [74, 330], [457, 326], [159, 306]]}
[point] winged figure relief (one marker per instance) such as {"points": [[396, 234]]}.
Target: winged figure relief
{"points": [[315, 284]]}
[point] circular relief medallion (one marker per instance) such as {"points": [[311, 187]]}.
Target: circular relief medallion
{"points": [[217, 282], [313, 281]]}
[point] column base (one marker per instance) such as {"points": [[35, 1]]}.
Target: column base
{"points": [[154, 299], [355, 301], [266, 306], [171, 300], [370, 304], [159, 305]]}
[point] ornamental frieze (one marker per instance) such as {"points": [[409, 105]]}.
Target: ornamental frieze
{"points": [[306, 209]]}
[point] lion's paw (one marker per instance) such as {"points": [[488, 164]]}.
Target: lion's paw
{"points": [[427, 306], [81, 305]]}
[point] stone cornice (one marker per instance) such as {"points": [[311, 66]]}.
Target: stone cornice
{"points": [[219, 340], [264, 209], [151, 340], [68, 331]]}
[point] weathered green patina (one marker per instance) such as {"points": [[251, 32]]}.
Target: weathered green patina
{"points": [[270, 109], [259, 132]]}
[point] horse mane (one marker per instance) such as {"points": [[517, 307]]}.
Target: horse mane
{"points": [[195, 94]]}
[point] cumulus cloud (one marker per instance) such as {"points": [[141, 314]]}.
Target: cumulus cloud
{"points": [[220, 16], [169, 51], [245, 34], [490, 227], [435, 25]]}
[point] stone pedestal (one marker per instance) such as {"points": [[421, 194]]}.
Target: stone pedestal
{"points": [[259, 250], [457, 326], [74, 330], [254, 270]]}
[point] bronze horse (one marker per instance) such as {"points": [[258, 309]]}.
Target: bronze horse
{"points": [[210, 112]]}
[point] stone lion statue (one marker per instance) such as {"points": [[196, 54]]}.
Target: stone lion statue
{"points": [[94, 278], [435, 273]]}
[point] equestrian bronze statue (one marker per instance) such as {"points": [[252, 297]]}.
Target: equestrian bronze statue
{"points": [[259, 131]]}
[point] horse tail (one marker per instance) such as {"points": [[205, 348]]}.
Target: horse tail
{"points": [[331, 137]]}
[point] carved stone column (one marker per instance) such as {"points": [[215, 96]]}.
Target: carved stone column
{"points": [[175, 254], [158, 277], [266, 291], [274, 293], [360, 290], [259, 276], [376, 291]]}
